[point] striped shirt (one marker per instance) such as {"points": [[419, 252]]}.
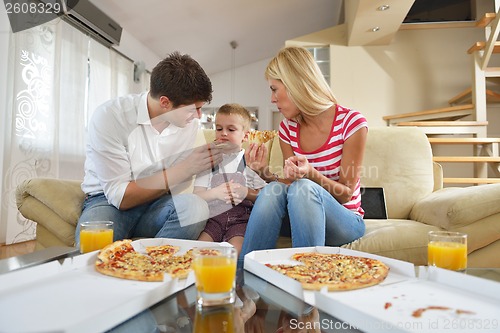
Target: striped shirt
{"points": [[327, 158]]}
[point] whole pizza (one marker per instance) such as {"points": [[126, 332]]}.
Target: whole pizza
{"points": [[334, 271], [121, 260]]}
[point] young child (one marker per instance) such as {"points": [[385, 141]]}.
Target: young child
{"points": [[232, 187]]}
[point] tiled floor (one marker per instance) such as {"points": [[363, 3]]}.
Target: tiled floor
{"points": [[7, 251]]}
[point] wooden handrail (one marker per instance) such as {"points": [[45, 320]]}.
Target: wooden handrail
{"points": [[432, 111]]}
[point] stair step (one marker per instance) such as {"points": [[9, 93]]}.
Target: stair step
{"points": [[485, 20], [471, 180], [466, 97], [474, 159], [474, 141], [447, 113], [444, 123], [479, 46], [447, 127]]}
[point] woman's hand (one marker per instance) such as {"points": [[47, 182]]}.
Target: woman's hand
{"points": [[256, 157], [296, 167]]}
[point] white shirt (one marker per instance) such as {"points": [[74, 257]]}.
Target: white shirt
{"points": [[122, 146], [229, 164]]}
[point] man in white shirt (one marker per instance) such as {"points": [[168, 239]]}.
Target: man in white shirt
{"points": [[141, 154]]}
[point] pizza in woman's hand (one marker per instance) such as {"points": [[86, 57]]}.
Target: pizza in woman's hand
{"points": [[260, 137]]}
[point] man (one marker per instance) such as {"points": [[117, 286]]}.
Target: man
{"points": [[140, 155]]}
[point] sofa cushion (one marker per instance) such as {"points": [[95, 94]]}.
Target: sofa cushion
{"points": [[63, 198], [403, 167], [399, 239], [454, 207]]}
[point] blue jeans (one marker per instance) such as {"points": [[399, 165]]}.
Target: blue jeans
{"points": [[181, 216], [316, 217]]}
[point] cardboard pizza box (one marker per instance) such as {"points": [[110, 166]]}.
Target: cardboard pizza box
{"points": [[408, 300], [72, 297], [256, 260], [437, 300]]}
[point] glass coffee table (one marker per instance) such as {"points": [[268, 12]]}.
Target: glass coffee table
{"points": [[260, 307]]}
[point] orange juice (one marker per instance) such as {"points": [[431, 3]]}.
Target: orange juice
{"points": [[214, 274], [214, 320], [95, 239], [447, 255]]}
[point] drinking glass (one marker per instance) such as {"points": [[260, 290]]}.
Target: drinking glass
{"points": [[215, 275], [447, 249], [94, 235]]}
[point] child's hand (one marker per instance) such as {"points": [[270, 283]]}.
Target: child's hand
{"points": [[230, 192], [236, 193], [220, 193]]}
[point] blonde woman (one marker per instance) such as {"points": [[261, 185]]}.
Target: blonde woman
{"points": [[323, 145]]}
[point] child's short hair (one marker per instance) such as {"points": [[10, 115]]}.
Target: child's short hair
{"points": [[237, 109]]}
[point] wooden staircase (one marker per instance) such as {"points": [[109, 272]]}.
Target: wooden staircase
{"points": [[446, 127]]}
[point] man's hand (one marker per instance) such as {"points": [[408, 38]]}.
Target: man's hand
{"points": [[203, 158]]}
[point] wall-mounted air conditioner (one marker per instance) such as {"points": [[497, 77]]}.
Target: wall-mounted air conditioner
{"points": [[85, 15]]}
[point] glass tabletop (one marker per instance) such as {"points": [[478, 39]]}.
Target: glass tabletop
{"points": [[260, 307]]}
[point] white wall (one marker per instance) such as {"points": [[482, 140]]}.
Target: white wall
{"points": [[419, 70], [136, 50], [251, 89]]}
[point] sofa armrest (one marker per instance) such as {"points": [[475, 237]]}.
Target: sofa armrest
{"points": [[454, 207], [53, 203]]}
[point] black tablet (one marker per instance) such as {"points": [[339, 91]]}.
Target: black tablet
{"points": [[373, 202]]}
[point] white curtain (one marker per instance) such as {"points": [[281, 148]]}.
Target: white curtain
{"points": [[57, 77]]}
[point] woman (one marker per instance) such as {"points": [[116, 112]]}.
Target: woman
{"points": [[323, 145]]}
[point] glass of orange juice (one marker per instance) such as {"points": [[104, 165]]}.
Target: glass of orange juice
{"points": [[214, 319], [215, 275], [94, 235], [447, 249]]}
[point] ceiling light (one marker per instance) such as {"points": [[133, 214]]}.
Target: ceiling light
{"points": [[375, 29], [383, 7]]}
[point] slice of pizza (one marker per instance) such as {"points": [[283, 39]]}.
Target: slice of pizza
{"points": [[178, 266], [120, 260], [262, 136], [161, 252], [115, 250]]}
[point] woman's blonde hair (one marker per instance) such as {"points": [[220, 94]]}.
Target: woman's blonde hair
{"points": [[305, 84]]}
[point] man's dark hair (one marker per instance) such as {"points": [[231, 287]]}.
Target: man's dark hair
{"points": [[181, 79]]}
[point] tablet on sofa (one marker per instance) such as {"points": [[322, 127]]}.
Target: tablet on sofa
{"points": [[373, 202]]}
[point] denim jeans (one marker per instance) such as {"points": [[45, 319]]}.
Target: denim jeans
{"points": [[181, 216], [316, 217]]}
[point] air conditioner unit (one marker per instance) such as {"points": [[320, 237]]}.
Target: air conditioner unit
{"points": [[85, 15]]}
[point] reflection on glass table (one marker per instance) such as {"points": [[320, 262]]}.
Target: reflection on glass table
{"points": [[259, 308]]}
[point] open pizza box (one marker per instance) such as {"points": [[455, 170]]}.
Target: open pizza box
{"points": [[70, 296], [435, 300]]}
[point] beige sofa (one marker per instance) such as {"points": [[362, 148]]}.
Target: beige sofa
{"points": [[397, 159]]}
